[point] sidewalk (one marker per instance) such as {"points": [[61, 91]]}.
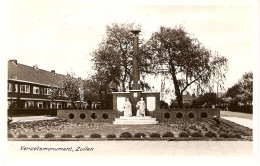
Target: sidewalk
{"points": [[173, 148]]}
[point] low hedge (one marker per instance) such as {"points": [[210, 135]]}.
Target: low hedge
{"points": [[35, 136], [168, 134], [126, 135], [155, 135], [111, 136], [79, 136], [66, 136], [196, 134], [95, 135], [184, 134], [49, 135], [31, 111], [139, 135]]}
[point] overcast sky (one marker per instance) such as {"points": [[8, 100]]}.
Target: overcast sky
{"points": [[61, 35]]}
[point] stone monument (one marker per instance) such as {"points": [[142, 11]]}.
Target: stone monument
{"points": [[151, 99]]}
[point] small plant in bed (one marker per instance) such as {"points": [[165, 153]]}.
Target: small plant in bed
{"points": [[223, 134], [168, 134], [139, 135], [95, 135], [210, 134], [126, 135], [22, 136], [10, 135], [184, 134], [111, 136], [155, 135], [49, 135], [66, 136]]}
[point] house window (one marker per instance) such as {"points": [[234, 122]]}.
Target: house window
{"points": [[36, 90], [47, 91], [59, 105], [29, 104], [40, 104], [9, 103], [25, 88], [16, 88], [9, 87]]}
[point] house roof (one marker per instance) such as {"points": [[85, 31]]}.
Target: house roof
{"points": [[17, 71]]}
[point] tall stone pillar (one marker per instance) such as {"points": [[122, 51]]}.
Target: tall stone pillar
{"points": [[136, 72], [136, 92]]}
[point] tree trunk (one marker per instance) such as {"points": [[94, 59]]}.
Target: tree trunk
{"points": [[176, 87]]}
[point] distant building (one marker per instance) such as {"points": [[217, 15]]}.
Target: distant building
{"points": [[29, 87]]}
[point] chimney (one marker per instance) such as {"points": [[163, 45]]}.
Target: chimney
{"points": [[35, 67], [14, 61], [53, 71]]}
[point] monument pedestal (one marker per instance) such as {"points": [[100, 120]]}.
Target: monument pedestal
{"points": [[134, 120]]}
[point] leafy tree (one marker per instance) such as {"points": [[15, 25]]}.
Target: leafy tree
{"points": [[97, 89], [184, 60], [206, 100], [246, 88], [233, 92], [243, 90], [113, 57], [53, 91], [72, 88]]}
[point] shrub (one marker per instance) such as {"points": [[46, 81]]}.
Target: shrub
{"points": [[196, 134], [111, 136], [192, 127], [48, 135], [35, 136], [10, 135], [155, 135], [139, 135], [22, 136], [168, 134], [79, 136], [66, 136], [236, 131], [126, 135], [237, 135], [233, 135], [223, 135], [224, 129], [184, 134], [95, 135], [210, 134]]}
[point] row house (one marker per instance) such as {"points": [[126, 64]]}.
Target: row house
{"points": [[30, 87]]}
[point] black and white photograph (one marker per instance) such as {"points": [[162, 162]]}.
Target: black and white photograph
{"points": [[129, 79]]}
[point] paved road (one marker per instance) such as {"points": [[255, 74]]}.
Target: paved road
{"points": [[31, 118], [237, 117]]}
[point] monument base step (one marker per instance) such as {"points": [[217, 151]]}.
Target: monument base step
{"points": [[134, 120]]}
